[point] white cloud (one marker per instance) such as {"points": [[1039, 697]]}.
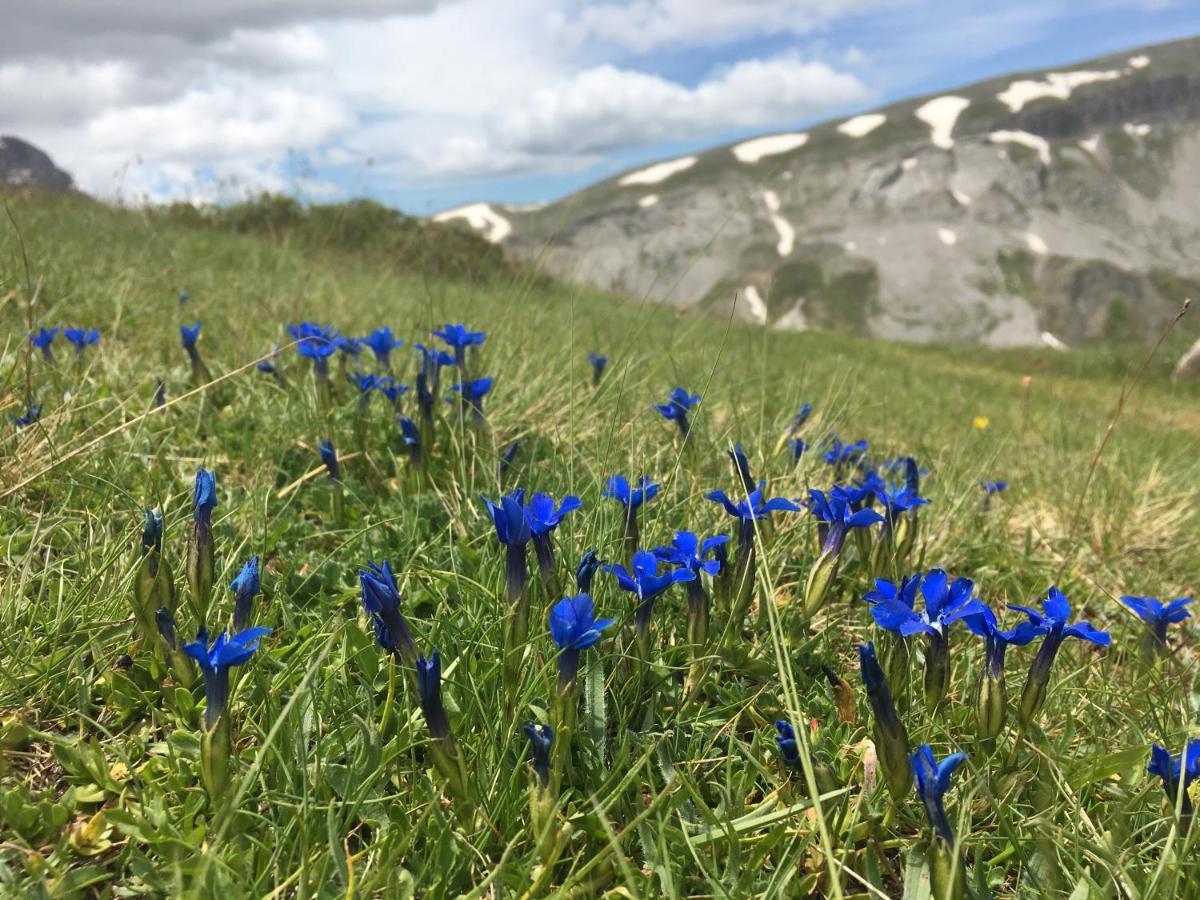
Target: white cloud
{"points": [[606, 108]]}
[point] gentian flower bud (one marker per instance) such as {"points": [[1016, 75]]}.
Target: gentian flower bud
{"points": [[789, 749], [412, 440], [245, 588], [153, 583], [541, 740], [506, 461], [443, 747], [891, 738], [598, 364], [585, 571], [201, 547], [800, 418], [381, 600], [741, 467]]}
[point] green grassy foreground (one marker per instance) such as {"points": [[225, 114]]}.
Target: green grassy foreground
{"points": [[333, 791]]}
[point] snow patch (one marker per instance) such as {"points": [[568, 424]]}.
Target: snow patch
{"points": [[1091, 145], [862, 125], [1057, 84], [1136, 130], [648, 200], [793, 319], [1035, 243], [908, 164], [1139, 62], [787, 234], [940, 114], [960, 198], [1052, 342], [754, 300], [482, 218], [1032, 141], [658, 172], [947, 237], [755, 149]]}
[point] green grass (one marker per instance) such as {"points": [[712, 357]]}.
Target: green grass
{"points": [[333, 792]]}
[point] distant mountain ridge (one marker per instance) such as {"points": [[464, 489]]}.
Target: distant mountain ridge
{"points": [[23, 167], [1056, 206]]}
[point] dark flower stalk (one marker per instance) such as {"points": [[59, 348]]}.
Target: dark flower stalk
{"points": [[201, 547], [513, 533], [411, 435], [329, 457]]}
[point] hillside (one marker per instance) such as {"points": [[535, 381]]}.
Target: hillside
{"points": [[325, 772], [1052, 206], [23, 166]]}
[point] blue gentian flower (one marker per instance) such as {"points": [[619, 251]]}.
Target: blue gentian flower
{"points": [[798, 447], [365, 382], [574, 627], [330, 458], [945, 603], [543, 518], [188, 336], [785, 739], [184, 296], [381, 600], [679, 403], [754, 507], [472, 393], [1159, 615], [81, 338], [412, 440], [836, 517], [617, 488], [800, 418], [1183, 768], [541, 740], [688, 551], [350, 348], [891, 738], [432, 361], [32, 414], [382, 342], [1053, 621], [645, 583], [459, 338], [741, 467], [994, 487], [895, 501], [315, 342], [245, 588], [267, 366], [598, 364], [840, 454], [42, 339], [991, 700], [390, 389], [933, 780], [215, 662], [513, 531], [429, 689], [585, 571]]}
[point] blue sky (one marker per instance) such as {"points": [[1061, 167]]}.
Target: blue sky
{"points": [[428, 104]]}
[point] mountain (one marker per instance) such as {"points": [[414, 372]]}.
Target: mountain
{"points": [[24, 166], [1056, 206]]}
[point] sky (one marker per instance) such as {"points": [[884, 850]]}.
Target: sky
{"points": [[429, 104]]}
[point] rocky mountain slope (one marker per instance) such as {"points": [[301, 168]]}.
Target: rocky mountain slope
{"points": [[1055, 207], [24, 166]]}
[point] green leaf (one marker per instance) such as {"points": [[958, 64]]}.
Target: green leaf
{"points": [[916, 876], [597, 714]]}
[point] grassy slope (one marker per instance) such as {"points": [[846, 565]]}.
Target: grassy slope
{"points": [[335, 793]]}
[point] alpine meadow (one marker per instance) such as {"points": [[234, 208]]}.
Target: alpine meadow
{"points": [[343, 557]]}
